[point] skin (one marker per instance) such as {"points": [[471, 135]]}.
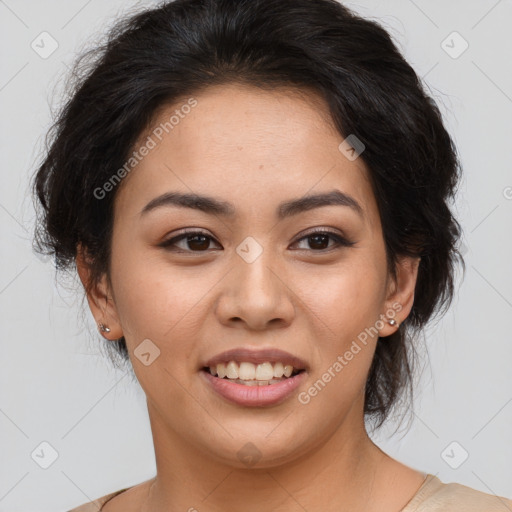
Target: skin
{"points": [[255, 149]]}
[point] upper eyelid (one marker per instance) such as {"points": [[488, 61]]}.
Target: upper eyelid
{"points": [[199, 231], [312, 231]]}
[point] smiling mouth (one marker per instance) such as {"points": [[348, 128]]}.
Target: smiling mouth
{"points": [[249, 374]]}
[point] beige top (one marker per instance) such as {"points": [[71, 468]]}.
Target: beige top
{"points": [[432, 496]]}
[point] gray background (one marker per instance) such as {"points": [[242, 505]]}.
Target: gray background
{"points": [[56, 385]]}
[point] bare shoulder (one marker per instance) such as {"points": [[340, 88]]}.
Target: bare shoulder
{"points": [[436, 496], [94, 506], [125, 499]]}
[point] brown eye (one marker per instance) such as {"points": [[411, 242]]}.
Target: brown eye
{"points": [[192, 241], [198, 242], [318, 241]]}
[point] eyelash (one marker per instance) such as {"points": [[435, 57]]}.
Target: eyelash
{"points": [[340, 241]]}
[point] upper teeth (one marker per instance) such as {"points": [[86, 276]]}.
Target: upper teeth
{"points": [[250, 371]]}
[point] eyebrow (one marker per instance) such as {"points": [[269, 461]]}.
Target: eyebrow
{"points": [[214, 206]]}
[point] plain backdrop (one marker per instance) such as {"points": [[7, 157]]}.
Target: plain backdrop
{"points": [[58, 388]]}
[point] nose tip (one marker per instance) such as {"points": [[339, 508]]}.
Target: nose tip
{"points": [[255, 294]]}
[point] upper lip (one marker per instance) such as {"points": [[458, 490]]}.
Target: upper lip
{"points": [[257, 356]]}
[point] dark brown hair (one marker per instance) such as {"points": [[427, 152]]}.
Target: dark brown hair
{"points": [[178, 48]]}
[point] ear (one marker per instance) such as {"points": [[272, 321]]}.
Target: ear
{"points": [[99, 297], [400, 293]]}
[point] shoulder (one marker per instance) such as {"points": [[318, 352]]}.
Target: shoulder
{"points": [[436, 496], [96, 505], [129, 497]]}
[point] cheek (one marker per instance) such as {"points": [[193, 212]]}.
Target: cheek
{"points": [[157, 305], [344, 310], [157, 301], [347, 297], [344, 304]]}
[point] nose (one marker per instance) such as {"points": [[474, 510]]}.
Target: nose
{"points": [[255, 296]]}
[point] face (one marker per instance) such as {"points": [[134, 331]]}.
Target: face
{"points": [[251, 274]]}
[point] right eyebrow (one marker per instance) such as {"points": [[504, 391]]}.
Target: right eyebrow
{"points": [[194, 201]]}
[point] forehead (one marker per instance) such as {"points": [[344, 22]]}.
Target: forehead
{"points": [[251, 147]]}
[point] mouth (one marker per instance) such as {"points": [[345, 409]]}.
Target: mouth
{"points": [[250, 374], [254, 377]]}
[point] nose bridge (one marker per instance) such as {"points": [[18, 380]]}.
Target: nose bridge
{"points": [[255, 293], [255, 271]]}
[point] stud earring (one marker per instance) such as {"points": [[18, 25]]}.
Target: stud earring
{"points": [[393, 322], [103, 328]]}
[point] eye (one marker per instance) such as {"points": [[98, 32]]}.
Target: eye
{"points": [[199, 241], [318, 240], [191, 241]]}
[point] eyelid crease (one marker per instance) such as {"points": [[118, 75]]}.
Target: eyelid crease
{"points": [[340, 239]]}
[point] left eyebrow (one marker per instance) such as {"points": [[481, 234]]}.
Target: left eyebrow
{"points": [[287, 209], [333, 198]]}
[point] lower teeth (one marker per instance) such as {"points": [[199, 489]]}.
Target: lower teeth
{"points": [[256, 382]]}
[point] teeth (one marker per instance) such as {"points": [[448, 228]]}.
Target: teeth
{"points": [[288, 370], [252, 374], [221, 370], [247, 371], [264, 371], [232, 370], [257, 382], [278, 370]]}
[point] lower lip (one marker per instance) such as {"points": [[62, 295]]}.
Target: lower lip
{"points": [[254, 396]]}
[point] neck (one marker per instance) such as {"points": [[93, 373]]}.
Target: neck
{"points": [[336, 475]]}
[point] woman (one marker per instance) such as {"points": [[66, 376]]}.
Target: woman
{"points": [[255, 194]]}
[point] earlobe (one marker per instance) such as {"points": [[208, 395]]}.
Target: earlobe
{"points": [[400, 298], [99, 298]]}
